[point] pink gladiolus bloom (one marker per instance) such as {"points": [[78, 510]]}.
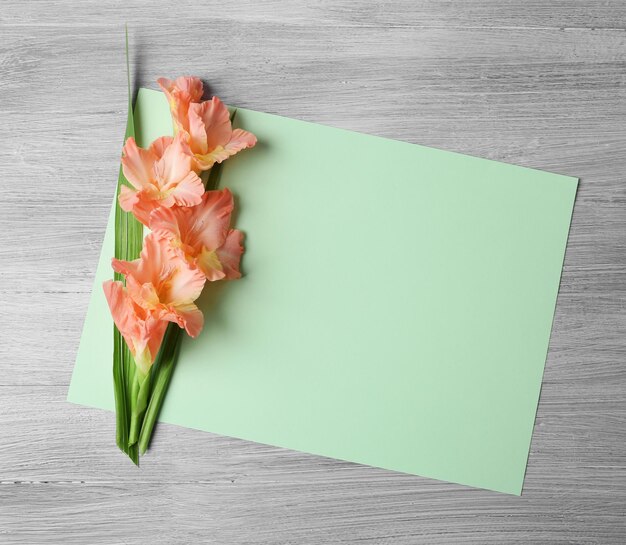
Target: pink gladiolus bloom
{"points": [[162, 176], [161, 282], [201, 234], [180, 94], [142, 329], [211, 135]]}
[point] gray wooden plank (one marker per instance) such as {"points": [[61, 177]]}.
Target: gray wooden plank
{"points": [[337, 13], [535, 83]]}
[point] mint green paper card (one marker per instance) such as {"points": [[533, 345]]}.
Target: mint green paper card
{"points": [[395, 309]]}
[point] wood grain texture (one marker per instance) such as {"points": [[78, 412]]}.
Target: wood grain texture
{"points": [[540, 84]]}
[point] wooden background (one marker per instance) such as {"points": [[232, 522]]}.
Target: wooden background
{"points": [[533, 82]]}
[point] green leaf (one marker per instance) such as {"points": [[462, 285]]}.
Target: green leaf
{"points": [[140, 395], [128, 242], [161, 375]]}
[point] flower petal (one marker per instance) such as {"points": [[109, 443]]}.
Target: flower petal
{"points": [[166, 223], [144, 295], [216, 120], [206, 161], [154, 331], [188, 191], [239, 140], [184, 87], [127, 198], [144, 206], [121, 308], [139, 203], [159, 146], [180, 94], [187, 316], [210, 219], [124, 267], [137, 164], [175, 163], [230, 254], [149, 267], [184, 284], [197, 132], [210, 265]]}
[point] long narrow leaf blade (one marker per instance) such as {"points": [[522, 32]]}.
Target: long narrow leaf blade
{"points": [[162, 374], [128, 242]]}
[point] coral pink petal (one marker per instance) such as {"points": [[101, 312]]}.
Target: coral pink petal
{"points": [[175, 163], [154, 259], [216, 119], [180, 94], [149, 266], [164, 222], [191, 87], [185, 285], [143, 206], [188, 317], [127, 198], [155, 330], [144, 295], [120, 306], [203, 162], [166, 85], [189, 190], [187, 87], [159, 146], [193, 321], [137, 164], [230, 254], [210, 265], [211, 218], [124, 267], [239, 140], [197, 132]]}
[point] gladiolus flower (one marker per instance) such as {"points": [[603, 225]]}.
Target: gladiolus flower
{"points": [[142, 329], [180, 94], [211, 135], [162, 176], [201, 234], [163, 283]]}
